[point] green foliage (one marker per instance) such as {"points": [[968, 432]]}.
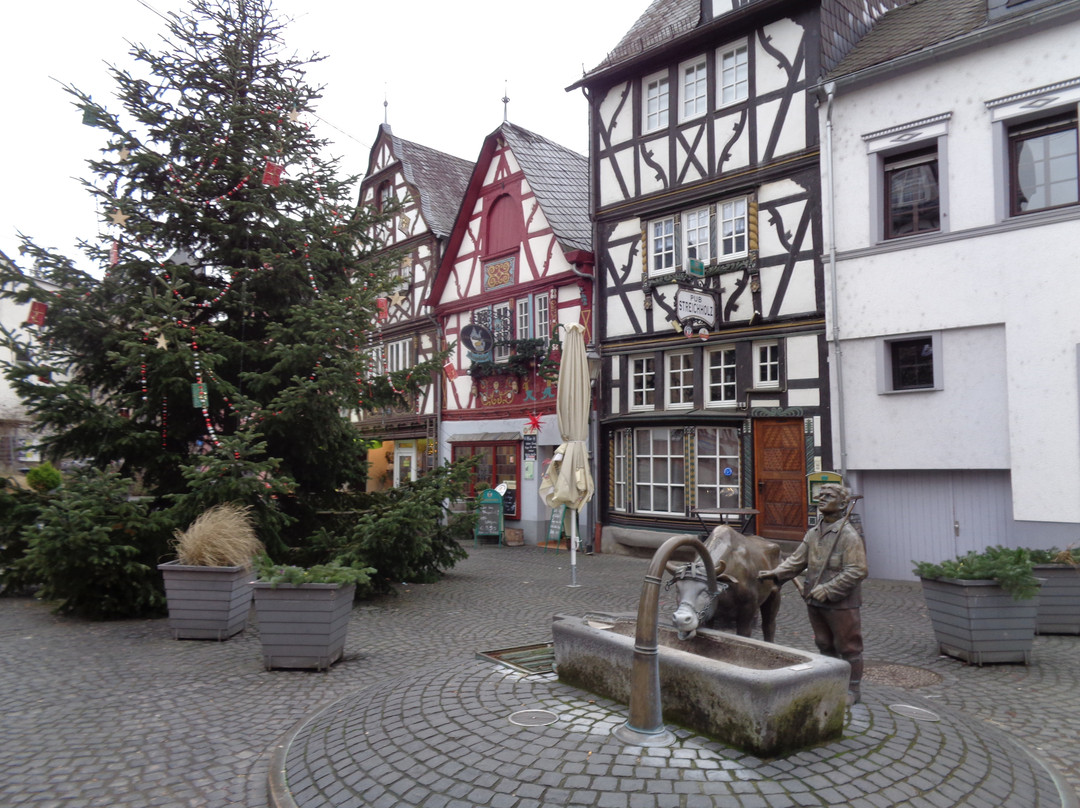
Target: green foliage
{"points": [[333, 572], [19, 508], [1070, 555], [44, 477], [526, 356], [407, 533], [1010, 567], [93, 549]]}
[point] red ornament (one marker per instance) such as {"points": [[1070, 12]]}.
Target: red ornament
{"points": [[534, 421], [450, 371], [37, 313], [383, 307], [272, 174], [114, 253]]}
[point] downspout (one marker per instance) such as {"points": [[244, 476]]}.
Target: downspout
{"points": [[834, 338]]}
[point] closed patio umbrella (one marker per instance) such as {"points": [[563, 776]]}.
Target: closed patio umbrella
{"points": [[567, 480]]}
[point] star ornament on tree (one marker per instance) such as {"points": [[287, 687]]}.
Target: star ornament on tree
{"points": [[119, 217]]}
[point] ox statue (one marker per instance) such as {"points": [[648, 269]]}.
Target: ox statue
{"points": [[740, 593]]}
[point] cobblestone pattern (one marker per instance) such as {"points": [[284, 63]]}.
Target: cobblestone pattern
{"points": [[120, 714]]}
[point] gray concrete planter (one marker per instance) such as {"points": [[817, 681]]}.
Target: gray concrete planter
{"points": [[302, 626], [1059, 599], [206, 603], [979, 622]]}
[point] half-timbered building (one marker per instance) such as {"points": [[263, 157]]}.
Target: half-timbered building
{"points": [[420, 189], [956, 392], [518, 267], [710, 304]]}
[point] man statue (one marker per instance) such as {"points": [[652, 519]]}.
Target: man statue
{"points": [[834, 557]]}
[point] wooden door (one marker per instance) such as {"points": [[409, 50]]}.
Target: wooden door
{"points": [[780, 478]]}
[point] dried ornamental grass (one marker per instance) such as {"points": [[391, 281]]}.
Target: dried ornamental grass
{"points": [[222, 536]]}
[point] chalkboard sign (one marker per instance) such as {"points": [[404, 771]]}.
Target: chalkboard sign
{"points": [[509, 502], [528, 447], [489, 515], [556, 523]]}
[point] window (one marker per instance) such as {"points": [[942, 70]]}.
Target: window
{"points": [[501, 330], [734, 75], [662, 245], [618, 472], [498, 463], [733, 227], [694, 89], [656, 103], [910, 363], [642, 382], [717, 467], [768, 364], [680, 380], [543, 318], [1043, 165], [399, 355], [912, 198], [659, 460], [524, 319], [697, 229], [721, 388], [384, 196]]}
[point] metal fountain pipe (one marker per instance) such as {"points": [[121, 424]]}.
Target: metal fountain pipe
{"points": [[645, 725]]}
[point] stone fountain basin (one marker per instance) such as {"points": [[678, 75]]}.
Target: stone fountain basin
{"points": [[765, 699]]}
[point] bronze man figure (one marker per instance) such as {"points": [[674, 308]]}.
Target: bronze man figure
{"points": [[834, 557]]}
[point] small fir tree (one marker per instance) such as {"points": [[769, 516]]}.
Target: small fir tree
{"points": [[220, 356]]}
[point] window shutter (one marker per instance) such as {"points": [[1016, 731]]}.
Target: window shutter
{"points": [[678, 241]]}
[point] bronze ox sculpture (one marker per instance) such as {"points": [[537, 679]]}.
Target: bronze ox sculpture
{"points": [[740, 594]]}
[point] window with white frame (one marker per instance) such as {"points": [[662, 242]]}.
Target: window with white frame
{"points": [[697, 234], [767, 364], [642, 382], [695, 88], [1043, 169], [656, 102], [399, 355], [717, 453], [659, 461], [734, 73], [721, 389], [619, 460], [733, 227], [910, 363], [501, 330], [680, 380], [543, 318], [524, 319], [662, 246]]}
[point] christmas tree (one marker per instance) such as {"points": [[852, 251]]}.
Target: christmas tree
{"points": [[221, 352]]}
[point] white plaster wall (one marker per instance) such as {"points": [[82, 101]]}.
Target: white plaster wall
{"points": [[623, 119]]}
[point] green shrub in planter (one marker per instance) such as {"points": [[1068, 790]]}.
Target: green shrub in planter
{"points": [[333, 573], [1010, 568]]}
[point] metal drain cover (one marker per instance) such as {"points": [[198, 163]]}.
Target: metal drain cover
{"points": [[533, 718], [918, 713]]}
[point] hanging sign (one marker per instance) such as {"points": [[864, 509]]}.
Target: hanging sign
{"points": [[691, 305], [478, 342]]}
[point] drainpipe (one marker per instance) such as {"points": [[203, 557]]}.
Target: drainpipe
{"points": [[834, 338]]}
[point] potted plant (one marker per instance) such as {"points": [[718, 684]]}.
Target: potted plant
{"points": [[1059, 597], [983, 605], [303, 612], [208, 586]]}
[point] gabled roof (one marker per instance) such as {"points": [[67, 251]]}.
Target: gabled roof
{"points": [[439, 178], [662, 21], [911, 28]]}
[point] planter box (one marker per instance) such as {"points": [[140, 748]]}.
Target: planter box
{"points": [[1059, 599], [206, 603], [302, 626], [979, 622]]}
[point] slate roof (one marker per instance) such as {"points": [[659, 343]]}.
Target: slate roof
{"points": [[911, 28], [440, 179], [560, 179], [662, 22]]}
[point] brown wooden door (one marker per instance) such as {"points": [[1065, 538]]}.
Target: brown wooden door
{"points": [[780, 477]]}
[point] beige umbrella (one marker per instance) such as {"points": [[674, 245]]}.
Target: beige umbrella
{"points": [[567, 480]]}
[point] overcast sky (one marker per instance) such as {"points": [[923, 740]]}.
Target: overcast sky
{"points": [[441, 65]]}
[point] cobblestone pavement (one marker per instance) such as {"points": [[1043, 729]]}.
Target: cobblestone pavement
{"points": [[120, 714]]}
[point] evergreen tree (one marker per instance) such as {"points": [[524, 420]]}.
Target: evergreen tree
{"points": [[219, 357]]}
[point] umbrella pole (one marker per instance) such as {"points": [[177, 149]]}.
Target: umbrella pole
{"points": [[573, 550]]}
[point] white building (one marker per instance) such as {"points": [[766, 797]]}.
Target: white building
{"points": [[950, 167]]}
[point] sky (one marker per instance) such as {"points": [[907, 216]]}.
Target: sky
{"points": [[442, 67]]}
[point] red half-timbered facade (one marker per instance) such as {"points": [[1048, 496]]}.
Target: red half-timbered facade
{"points": [[421, 189], [517, 268]]}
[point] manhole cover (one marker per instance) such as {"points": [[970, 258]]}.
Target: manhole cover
{"points": [[918, 713], [533, 718], [882, 673]]}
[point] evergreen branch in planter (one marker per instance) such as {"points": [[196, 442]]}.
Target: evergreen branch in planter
{"points": [[525, 355], [1070, 555], [332, 573], [1010, 568]]}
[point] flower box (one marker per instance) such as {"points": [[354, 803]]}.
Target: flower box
{"points": [[979, 622], [206, 603], [302, 625]]}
